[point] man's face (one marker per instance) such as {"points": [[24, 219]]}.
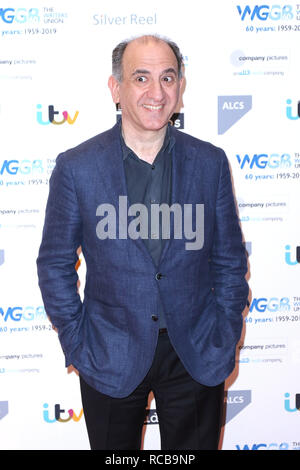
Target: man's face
{"points": [[150, 88]]}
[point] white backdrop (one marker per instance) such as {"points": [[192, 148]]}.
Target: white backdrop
{"points": [[242, 94]]}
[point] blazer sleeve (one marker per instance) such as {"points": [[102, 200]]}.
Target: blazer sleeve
{"points": [[57, 257], [228, 257]]}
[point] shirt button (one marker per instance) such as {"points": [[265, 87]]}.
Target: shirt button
{"points": [[158, 276], [154, 317]]}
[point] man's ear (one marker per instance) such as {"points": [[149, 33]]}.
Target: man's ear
{"points": [[114, 86]]}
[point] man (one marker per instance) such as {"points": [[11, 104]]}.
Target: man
{"points": [[160, 312]]}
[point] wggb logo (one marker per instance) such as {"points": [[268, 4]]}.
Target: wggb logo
{"points": [[22, 313], [264, 160], [19, 15], [273, 304], [23, 167], [266, 12], [262, 446]]}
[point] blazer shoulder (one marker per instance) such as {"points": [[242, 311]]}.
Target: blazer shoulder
{"points": [[201, 148], [88, 150]]}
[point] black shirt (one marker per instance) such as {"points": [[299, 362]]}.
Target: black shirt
{"points": [[150, 184]]}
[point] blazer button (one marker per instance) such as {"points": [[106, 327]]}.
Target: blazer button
{"points": [[154, 317], [158, 276]]}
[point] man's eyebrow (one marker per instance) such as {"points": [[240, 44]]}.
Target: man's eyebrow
{"points": [[144, 71], [170, 70], [138, 71]]}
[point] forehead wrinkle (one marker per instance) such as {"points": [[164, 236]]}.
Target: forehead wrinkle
{"points": [[150, 53]]}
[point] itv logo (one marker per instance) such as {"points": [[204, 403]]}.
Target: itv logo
{"points": [[58, 414], [290, 113], [52, 114], [288, 256], [287, 403]]}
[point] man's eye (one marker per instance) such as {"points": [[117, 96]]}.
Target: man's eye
{"points": [[141, 79], [168, 79]]}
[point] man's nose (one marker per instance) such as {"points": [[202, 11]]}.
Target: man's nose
{"points": [[156, 91]]}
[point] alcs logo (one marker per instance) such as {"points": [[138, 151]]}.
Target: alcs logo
{"points": [[21, 15], [3, 409], [266, 12], [273, 304], [231, 108], [51, 115], [263, 160]]}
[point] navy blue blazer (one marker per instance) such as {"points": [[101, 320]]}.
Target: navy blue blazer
{"points": [[111, 337]]}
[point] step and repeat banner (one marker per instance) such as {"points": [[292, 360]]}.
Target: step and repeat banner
{"points": [[242, 93]]}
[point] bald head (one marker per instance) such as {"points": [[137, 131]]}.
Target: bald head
{"points": [[118, 52]]}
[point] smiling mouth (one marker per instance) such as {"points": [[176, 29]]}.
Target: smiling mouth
{"points": [[152, 108]]}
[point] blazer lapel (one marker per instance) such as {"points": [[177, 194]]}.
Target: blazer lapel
{"points": [[112, 173], [110, 167], [183, 161]]}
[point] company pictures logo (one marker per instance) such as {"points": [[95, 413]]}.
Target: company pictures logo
{"points": [[231, 109], [52, 113]]}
